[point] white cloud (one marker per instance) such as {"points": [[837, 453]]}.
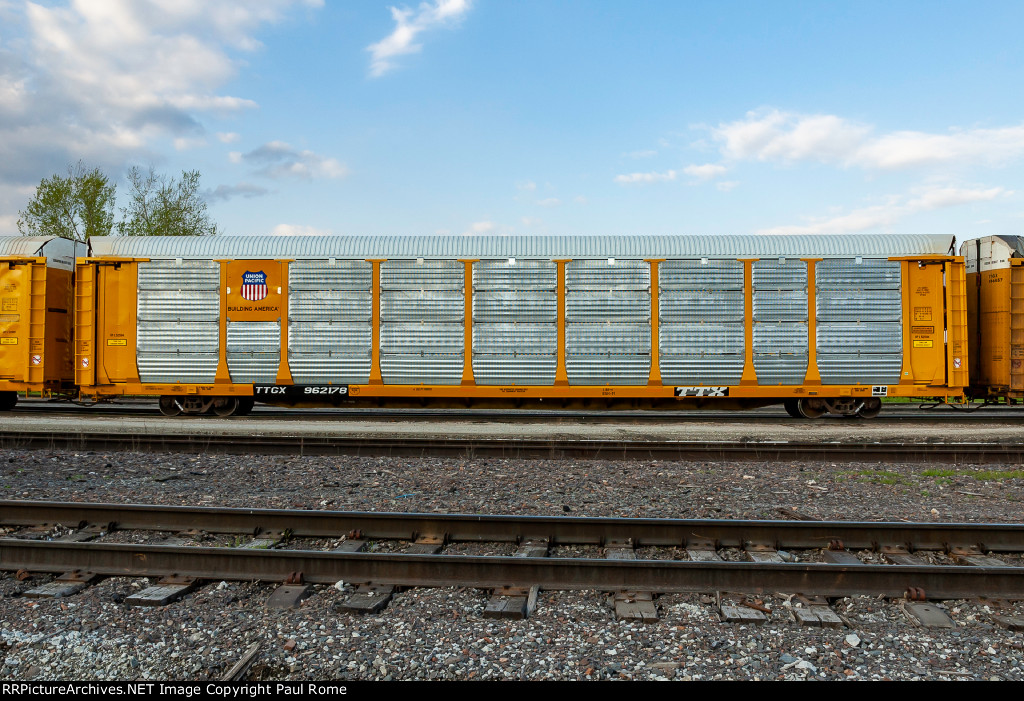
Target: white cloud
{"points": [[789, 137], [706, 171], [298, 230], [727, 185], [531, 221], [579, 199], [480, 227], [183, 143], [408, 25], [641, 154], [276, 159], [645, 177], [892, 210], [529, 186], [549, 202], [229, 137], [103, 80]]}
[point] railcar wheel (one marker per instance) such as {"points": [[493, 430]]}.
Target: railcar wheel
{"points": [[170, 406], [225, 406], [812, 408], [792, 409], [8, 400], [245, 405], [870, 409]]}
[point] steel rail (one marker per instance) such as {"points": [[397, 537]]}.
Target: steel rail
{"points": [[516, 528], [939, 582], [554, 448]]}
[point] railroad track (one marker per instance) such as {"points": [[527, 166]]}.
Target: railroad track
{"points": [[512, 447], [634, 559]]}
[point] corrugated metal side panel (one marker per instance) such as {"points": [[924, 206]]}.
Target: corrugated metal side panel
{"points": [[178, 321], [330, 305], [518, 369], [515, 332], [696, 306], [335, 352], [330, 309], [181, 305], [772, 306], [422, 332], [701, 275], [608, 327], [189, 275], [704, 339], [859, 321], [254, 351], [701, 319], [780, 321], [526, 306], [868, 274], [323, 275], [854, 304]]}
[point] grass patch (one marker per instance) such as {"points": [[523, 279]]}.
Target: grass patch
{"points": [[983, 476], [940, 473], [992, 475]]}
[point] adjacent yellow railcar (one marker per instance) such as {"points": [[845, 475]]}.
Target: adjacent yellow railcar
{"points": [[821, 324], [995, 299], [36, 297]]}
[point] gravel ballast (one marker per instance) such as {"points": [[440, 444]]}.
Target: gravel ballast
{"points": [[442, 634]]}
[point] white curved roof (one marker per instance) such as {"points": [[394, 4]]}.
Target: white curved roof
{"points": [[539, 247], [27, 246]]}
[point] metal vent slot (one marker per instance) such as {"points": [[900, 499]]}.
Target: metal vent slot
{"points": [[608, 322], [178, 321], [422, 331], [330, 309], [515, 331], [701, 322], [780, 341], [254, 351], [859, 321]]}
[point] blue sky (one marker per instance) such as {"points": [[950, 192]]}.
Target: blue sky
{"points": [[499, 117]]}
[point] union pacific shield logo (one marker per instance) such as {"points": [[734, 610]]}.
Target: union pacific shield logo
{"points": [[254, 286]]}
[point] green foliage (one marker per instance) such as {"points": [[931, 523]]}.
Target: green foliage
{"points": [[77, 207], [162, 206]]}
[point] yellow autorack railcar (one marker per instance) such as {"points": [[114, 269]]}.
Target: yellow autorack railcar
{"points": [[819, 324]]}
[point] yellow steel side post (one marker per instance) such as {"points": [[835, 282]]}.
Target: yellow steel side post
{"points": [[956, 326], [906, 374], [375, 376], [655, 377], [561, 376], [36, 345], [813, 376], [223, 375], [749, 376], [85, 325], [284, 373], [467, 350], [1017, 327]]}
